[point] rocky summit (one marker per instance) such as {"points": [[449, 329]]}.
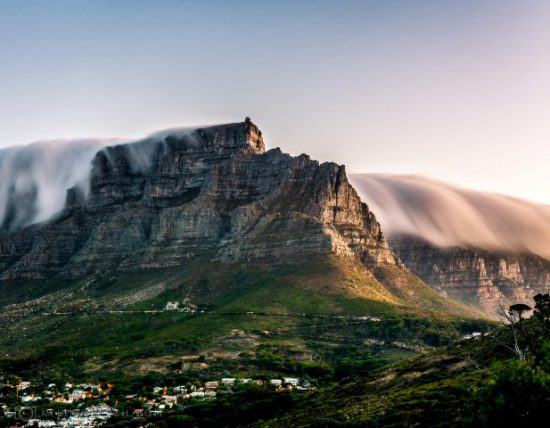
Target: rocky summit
{"points": [[215, 190]]}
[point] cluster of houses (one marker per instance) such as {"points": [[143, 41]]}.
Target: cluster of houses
{"points": [[80, 418], [88, 401], [165, 397], [67, 394]]}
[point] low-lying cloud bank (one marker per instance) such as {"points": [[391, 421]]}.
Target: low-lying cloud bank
{"points": [[34, 178], [447, 215]]}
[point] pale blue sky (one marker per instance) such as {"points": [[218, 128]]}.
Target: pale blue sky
{"points": [[458, 90]]}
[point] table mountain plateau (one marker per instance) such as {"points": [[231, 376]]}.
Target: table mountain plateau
{"points": [[215, 191]]}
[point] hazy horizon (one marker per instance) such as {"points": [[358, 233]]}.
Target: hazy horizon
{"points": [[453, 90]]}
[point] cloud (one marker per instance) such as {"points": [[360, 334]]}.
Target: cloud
{"points": [[447, 215], [34, 178]]}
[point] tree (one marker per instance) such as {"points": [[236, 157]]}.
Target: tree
{"points": [[516, 311]]}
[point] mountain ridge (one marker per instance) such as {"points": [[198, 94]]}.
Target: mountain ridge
{"points": [[210, 191]]}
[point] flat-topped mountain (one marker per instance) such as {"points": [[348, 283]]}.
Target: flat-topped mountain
{"points": [[213, 194], [158, 203], [279, 247]]}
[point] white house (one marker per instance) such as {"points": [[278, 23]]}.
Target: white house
{"points": [[276, 382], [77, 394], [290, 381], [172, 306]]}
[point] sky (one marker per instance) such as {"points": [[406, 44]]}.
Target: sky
{"points": [[456, 90]]}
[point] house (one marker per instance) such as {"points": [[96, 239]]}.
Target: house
{"points": [[30, 398], [23, 385], [276, 382], [210, 393], [62, 399], [188, 306], [290, 381], [245, 380], [77, 394], [197, 394], [212, 384], [41, 423], [170, 399], [172, 306], [228, 381]]}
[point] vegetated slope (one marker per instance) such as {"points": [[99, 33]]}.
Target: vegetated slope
{"points": [[501, 379], [113, 325]]}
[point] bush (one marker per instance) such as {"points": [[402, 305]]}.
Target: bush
{"points": [[514, 394]]}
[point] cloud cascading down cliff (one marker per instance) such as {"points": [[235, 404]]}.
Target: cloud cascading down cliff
{"points": [[447, 215], [34, 179]]}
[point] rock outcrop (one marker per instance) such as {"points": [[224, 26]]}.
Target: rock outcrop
{"points": [[486, 279], [215, 190]]}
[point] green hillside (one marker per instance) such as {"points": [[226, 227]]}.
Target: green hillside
{"points": [[470, 383], [115, 323]]}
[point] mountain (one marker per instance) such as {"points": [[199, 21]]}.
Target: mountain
{"points": [[208, 190], [159, 203], [484, 249], [260, 248], [196, 255], [487, 279]]}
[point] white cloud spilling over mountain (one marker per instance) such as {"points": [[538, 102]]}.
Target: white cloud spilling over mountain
{"points": [[447, 215], [34, 178]]}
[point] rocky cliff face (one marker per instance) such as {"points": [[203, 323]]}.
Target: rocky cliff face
{"points": [[215, 190], [484, 278]]}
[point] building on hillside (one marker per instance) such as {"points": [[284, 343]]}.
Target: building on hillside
{"points": [[23, 385], [290, 381], [212, 384], [172, 306]]}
